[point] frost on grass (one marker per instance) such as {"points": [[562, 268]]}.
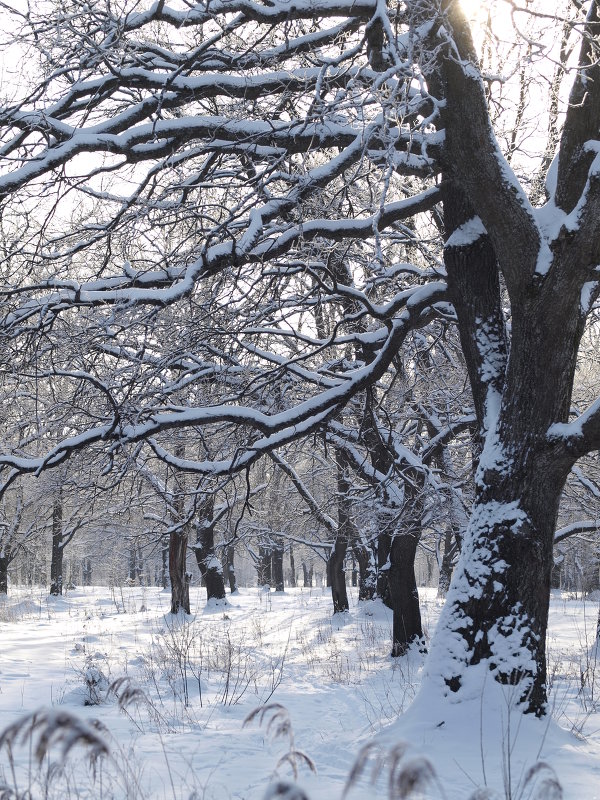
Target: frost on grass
{"points": [[48, 728]]}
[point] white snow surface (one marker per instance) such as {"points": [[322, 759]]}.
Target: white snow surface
{"points": [[200, 676]]}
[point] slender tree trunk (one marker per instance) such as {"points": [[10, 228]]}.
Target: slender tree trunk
{"points": [[139, 568], [278, 566], [87, 572], [293, 582], [178, 576], [447, 562], [132, 563], [230, 568], [384, 546], [345, 532], [4, 562], [164, 567], [306, 581], [178, 545], [399, 533], [209, 565], [56, 564], [263, 567]]}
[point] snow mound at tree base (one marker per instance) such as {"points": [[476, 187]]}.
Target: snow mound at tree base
{"points": [[486, 747]]}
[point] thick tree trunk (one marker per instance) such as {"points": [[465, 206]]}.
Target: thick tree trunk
{"points": [[403, 593], [209, 565], [337, 576], [87, 572], [367, 571], [56, 563], [497, 606]]}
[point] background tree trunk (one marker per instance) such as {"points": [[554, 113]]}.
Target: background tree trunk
{"points": [[56, 563], [209, 565], [404, 595], [230, 568], [278, 566], [306, 580], [180, 582], [447, 562], [263, 567], [87, 572], [367, 571], [4, 562], [293, 581]]}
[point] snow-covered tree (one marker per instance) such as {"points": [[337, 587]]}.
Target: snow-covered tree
{"points": [[164, 160]]}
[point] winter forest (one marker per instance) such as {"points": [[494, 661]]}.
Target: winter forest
{"points": [[300, 390]]}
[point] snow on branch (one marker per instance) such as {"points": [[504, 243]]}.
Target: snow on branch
{"points": [[580, 436], [276, 429], [304, 493], [575, 528]]}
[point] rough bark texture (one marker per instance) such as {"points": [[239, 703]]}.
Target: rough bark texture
{"points": [[497, 606], [178, 544], [337, 576], [399, 532], [367, 572], [178, 576], [404, 595], [345, 533], [447, 563]]}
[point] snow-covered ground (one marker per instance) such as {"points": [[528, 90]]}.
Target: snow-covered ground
{"points": [[183, 687]]}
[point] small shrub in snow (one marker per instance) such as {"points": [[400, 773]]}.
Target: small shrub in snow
{"points": [[96, 684]]}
